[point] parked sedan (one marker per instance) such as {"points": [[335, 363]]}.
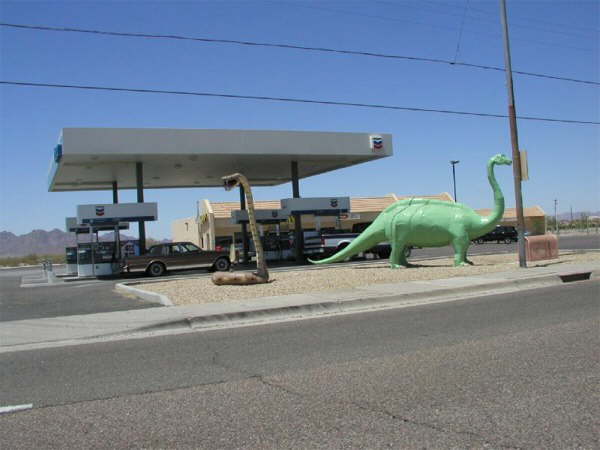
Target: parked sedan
{"points": [[176, 255]]}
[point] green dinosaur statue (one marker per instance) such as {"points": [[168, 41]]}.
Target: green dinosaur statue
{"points": [[422, 222]]}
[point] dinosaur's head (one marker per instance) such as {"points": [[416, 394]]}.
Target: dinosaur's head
{"points": [[231, 181], [501, 159]]}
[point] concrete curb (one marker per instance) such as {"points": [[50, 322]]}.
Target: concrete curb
{"points": [[364, 300], [151, 297]]}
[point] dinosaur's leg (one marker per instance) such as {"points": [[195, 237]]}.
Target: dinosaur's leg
{"points": [[394, 255], [460, 243], [398, 243]]}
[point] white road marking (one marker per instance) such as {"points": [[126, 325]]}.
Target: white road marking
{"points": [[83, 285], [10, 409]]}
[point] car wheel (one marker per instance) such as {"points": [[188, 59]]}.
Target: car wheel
{"points": [[156, 269], [222, 265], [508, 241], [407, 251]]}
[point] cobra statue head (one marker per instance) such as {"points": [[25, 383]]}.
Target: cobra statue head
{"points": [[501, 159], [231, 181]]}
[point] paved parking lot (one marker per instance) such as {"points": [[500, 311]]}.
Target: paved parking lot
{"points": [[60, 299]]}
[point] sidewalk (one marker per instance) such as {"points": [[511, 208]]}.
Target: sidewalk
{"points": [[67, 330]]}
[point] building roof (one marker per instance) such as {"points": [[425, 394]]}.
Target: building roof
{"points": [[94, 158], [511, 213], [222, 210], [371, 204]]}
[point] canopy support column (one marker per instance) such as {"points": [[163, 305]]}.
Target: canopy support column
{"points": [[139, 175], [115, 192], [298, 235]]}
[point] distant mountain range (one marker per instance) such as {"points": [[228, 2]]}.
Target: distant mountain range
{"points": [[43, 242]]}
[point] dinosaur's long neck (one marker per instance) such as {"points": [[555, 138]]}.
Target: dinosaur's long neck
{"points": [[261, 267], [490, 221]]}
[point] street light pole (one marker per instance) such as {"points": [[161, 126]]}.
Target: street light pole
{"points": [[555, 217], [512, 118], [454, 162]]}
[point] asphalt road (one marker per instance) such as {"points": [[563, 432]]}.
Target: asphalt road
{"points": [[504, 371], [94, 296]]}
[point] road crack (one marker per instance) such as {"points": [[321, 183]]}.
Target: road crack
{"points": [[217, 360], [432, 426]]}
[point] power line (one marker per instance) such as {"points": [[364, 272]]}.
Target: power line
{"points": [[571, 26], [291, 46], [527, 41], [435, 9], [287, 99]]}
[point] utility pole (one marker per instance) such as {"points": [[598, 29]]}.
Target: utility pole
{"points": [[454, 162], [512, 117]]}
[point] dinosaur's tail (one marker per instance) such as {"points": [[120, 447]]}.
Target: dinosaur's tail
{"points": [[369, 238]]}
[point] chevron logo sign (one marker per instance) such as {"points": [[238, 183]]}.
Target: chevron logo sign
{"points": [[376, 143]]}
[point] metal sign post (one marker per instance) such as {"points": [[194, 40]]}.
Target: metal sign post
{"points": [[91, 235], [514, 138], [454, 162]]}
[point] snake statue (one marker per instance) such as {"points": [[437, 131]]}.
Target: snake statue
{"points": [[244, 278]]}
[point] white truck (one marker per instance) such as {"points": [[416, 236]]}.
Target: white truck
{"points": [[322, 244]]}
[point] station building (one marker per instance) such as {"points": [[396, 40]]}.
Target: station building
{"points": [[212, 225]]}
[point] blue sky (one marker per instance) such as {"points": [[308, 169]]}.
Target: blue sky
{"points": [[551, 37]]}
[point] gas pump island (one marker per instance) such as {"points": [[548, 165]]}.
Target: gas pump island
{"points": [[96, 258], [276, 247]]}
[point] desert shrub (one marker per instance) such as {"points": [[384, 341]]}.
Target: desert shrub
{"points": [[30, 260]]}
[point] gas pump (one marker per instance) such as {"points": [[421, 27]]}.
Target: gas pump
{"points": [[85, 266], [71, 260], [89, 259], [106, 261]]}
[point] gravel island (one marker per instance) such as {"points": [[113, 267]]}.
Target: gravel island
{"points": [[197, 290]]}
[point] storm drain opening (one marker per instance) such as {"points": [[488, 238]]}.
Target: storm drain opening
{"points": [[578, 276]]}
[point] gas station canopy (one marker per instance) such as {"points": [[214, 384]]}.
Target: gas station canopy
{"points": [[97, 158]]}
